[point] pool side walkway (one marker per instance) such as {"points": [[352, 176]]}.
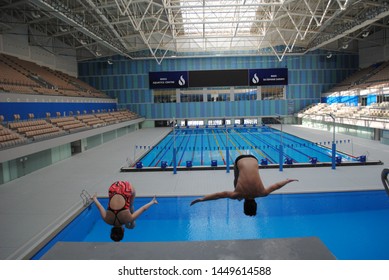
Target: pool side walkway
{"points": [[33, 206]]}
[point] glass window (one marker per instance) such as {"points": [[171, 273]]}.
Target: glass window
{"points": [[191, 97], [272, 92], [245, 94], [165, 96]]}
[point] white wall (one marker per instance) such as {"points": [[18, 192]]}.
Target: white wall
{"points": [[375, 48], [15, 42], [55, 55]]}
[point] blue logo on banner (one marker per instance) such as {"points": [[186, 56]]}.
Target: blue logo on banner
{"points": [[173, 79], [272, 76]]}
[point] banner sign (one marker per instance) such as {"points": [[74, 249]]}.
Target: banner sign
{"points": [[218, 78], [267, 77], [210, 78], [174, 79]]}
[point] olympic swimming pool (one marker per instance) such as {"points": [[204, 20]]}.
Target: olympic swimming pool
{"points": [[221, 146], [353, 225]]}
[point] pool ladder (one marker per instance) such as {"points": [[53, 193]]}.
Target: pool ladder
{"points": [[384, 178], [86, 198]]}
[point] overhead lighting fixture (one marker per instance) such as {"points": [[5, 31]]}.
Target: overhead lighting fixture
{"points": [[345, 46], [98, 53], [35, 14], [109, 62], [329, 55], [365, 34], [82, 42]]}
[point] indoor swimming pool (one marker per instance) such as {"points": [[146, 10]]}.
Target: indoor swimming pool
{"points": [[220, 146], [353, 225]]}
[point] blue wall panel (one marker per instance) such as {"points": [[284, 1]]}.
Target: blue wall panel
{"points": [[371, 99], [351, 100], [310, 75]]}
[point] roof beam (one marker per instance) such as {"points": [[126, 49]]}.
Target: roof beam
{"points": [[333, 37], [60, 15]]}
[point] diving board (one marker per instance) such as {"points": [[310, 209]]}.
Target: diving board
{"points": [[308, 248]]}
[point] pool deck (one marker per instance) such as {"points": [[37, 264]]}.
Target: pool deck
{"points": [[34, 206]]}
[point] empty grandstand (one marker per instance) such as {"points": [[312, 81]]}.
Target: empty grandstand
{"points": [[43, 109], [360, 102], [22, 76]]}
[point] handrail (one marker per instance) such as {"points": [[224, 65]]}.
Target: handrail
{"points": [[384, 178], [86, 198]]}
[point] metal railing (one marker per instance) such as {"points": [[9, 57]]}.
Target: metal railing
{"points": [[384, 178]]}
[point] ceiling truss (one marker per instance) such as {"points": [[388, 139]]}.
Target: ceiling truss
{"points": [[161, 29]]}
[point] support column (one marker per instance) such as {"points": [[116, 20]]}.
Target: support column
{"points": [[232, 95], [259, 93], [178, 95]]}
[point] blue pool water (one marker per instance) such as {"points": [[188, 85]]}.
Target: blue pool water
{"points": [[202, 146], [353, 225]]}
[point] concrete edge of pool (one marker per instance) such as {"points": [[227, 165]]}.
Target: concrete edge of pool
{"points": [[223, 167], [307, 248]]}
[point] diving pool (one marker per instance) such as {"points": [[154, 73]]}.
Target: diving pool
{"points": [[353, 225], [207, 146]]}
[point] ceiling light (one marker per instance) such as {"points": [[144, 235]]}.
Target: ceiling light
{"points": [[329, 55], [35, 15], [82, 42], [109, 62], [365, 34], [98, 53], [345, 46]]}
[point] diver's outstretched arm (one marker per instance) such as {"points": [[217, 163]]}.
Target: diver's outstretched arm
{"points": [[102, 211], [142, 209], [278, 185], [214, 196]]}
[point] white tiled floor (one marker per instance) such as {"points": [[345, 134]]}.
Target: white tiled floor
{"points": [[33, 206]]}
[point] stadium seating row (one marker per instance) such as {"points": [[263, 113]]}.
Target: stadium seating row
{"points": [[342, 110], [20, 76], [8, 138], [373, 80], [22, 132], [374, 75]]}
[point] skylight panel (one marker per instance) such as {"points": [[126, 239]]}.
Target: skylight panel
{"points": [[214, 18]]}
